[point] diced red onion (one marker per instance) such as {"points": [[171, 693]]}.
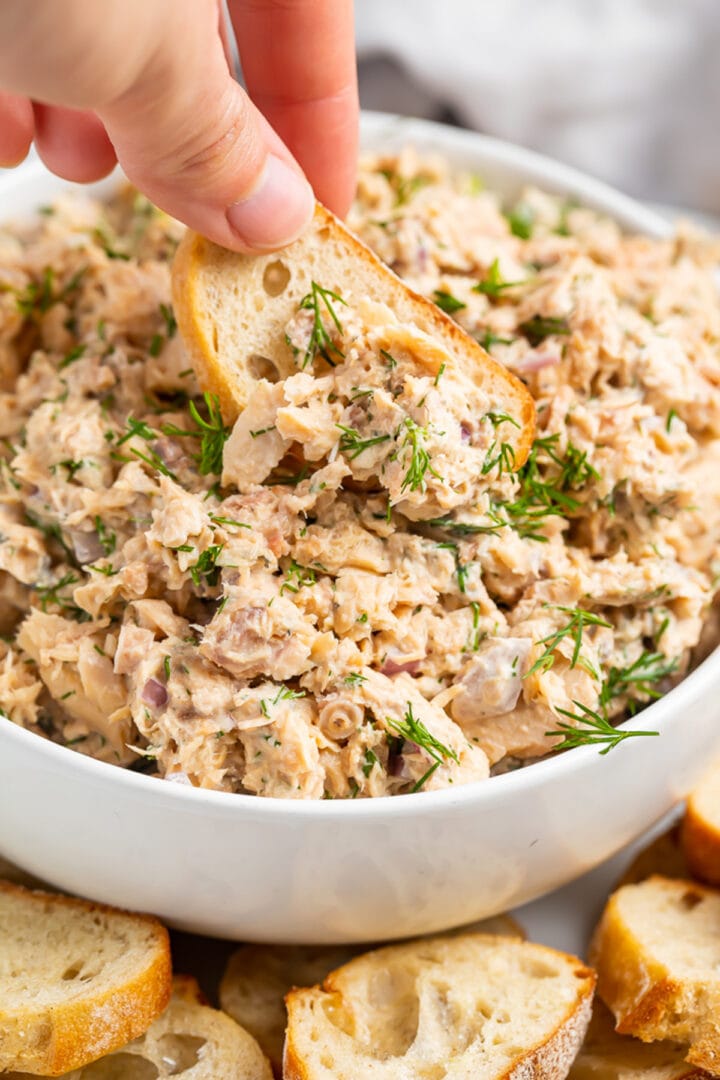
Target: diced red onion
{"points": [[422, 257], [154, 693], [86, 545], [390, 667], [399, 768], [465, 433], [536, 362]]}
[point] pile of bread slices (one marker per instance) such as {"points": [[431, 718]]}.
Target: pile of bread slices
{"points": [[88, 992]]}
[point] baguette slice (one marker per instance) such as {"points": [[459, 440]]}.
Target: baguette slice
{"points": [[468, 1006], [232, 311], [657, 954], [605, 1055], [664, 856], [189, 1040], [701, 829], [258, 977], [77, 980]]}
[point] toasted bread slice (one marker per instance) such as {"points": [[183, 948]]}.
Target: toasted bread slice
{"points": [[188, 1039], [258, 977], [77, 980], [474, 1005], [232, 311], [664, 856], [605, 1055], [701, 829], [657, 954]]}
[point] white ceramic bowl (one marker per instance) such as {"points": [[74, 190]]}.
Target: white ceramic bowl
{"points": [[274, 870]]}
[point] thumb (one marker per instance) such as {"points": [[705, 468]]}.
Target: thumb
{"points": [[188, 136]]}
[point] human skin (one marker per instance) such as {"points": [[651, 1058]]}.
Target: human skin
{"points": [[148, 83]]}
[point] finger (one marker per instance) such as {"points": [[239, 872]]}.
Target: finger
{"points": [[298, 60], [16, 129], [73, 143], [189, 137]]}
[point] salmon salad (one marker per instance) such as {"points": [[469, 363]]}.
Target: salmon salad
{"points": [[355, 589]]}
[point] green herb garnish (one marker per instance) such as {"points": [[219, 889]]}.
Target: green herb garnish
{"points": [[355, 678], [594, 730], [540, 327], [494, 284], [298, 577], [521, 220], [411, 729], [639, 678], [352, 443], [211, 431], [207, 566], [370, 761], [447, 302], [419, 459], [320, 341], [579, 619]]}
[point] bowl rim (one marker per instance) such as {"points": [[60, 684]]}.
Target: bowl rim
{"points": [[533, 168]]}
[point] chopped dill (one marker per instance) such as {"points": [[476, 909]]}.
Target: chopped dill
{"points": [[411, 729], [540, 327], [639, 677], [207, 566], [494, 284], [297, 577], [579, 619], [320, 342], [210, 430], [352, 443], [412, 446], [592, 730], [447, 302]]}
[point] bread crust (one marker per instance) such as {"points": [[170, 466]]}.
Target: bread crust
{"points": [[71, 1034], [549, 1059], [700, 830], [206, 277], [649, 1001]]}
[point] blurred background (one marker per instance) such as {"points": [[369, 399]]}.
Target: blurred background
{"points": [[628, 90]]}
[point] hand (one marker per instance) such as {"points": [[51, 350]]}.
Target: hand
{"points": [[147, 82]]}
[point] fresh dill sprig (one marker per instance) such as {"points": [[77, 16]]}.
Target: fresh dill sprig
{"points": [[412, 446], [353, 444], [502, 458], [411, 729], [579, 619], [297, 577], [211, 431], [207, 566], [136, 428], [52, 596], [320, 341], [593, 730], [545, 485], [447, 302], [355, 678], [489, 338], [497, 418], [371, 760], [639, 678], [494, 284], [469, 528], [106, 537], [521, 220], [404, 186], [540, 327]]}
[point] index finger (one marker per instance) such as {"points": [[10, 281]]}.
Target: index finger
{"points": [[298, 59]]}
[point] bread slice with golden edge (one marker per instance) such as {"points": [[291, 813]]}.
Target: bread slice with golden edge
{"points": [[258, 977], [232, 311], [77, 980], [657, 954], [605, 1055], [474, 1005], [189, 1040], [701, 829]]}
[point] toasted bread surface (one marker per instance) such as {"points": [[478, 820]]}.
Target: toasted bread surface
{"points": [[657, 954], [77, 980], [188, 1039], [605, 1055], [701, 829], [232, 310], [258, 977], [473, 1005]]}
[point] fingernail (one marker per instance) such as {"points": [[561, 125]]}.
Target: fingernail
{"points": [[277, 211]]}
